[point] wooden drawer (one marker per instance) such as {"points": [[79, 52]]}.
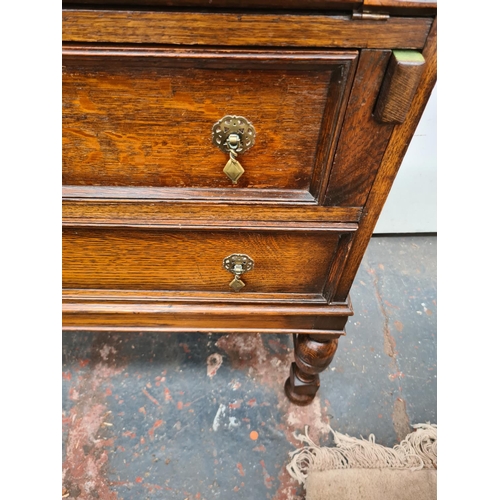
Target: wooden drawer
{"points": [[290, 260], [143, 117]]}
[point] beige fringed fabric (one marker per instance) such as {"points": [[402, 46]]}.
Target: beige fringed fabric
{"points": [[417, 451]]}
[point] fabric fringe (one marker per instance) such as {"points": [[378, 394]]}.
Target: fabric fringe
{"points": [[417, 451]]}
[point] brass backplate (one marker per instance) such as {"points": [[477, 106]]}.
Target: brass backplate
{"points": [[238, 263], [232, 125]]}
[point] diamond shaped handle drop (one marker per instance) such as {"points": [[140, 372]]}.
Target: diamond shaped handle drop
{"points": [[233, 134], [237, 264]]}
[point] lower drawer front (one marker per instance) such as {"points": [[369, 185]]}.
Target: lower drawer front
{"points": [[297, 260]]}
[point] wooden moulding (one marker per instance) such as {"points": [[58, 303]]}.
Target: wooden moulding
{"points": [[190, 195], [214, 318], [402, 7], [151, 212], [240, 29], [159, 296], [399, 86]]}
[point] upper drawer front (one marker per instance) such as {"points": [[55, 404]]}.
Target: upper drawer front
{"points": [[144, 118]]}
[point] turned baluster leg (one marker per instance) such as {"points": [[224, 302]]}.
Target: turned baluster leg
{"points": [[313, 354]]}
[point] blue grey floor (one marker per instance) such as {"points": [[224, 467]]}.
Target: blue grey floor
{"points": [[191, 416]]}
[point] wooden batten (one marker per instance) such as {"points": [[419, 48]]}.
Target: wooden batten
{"points": [[399, 86]]}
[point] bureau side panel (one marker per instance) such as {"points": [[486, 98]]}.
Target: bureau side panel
{"points": [[391, 161], [363, 140]]}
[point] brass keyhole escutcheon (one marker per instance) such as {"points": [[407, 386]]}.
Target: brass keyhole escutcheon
{"points": [[234, 135], [237, 264]]}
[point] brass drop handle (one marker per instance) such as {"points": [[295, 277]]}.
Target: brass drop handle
{"points": [[237, 264], [233, 134]]}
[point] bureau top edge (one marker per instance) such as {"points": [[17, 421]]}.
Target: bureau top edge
{"points": [[243, 29]]}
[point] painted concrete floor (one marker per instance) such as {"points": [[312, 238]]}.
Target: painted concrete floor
{"points": [[191, 416]]}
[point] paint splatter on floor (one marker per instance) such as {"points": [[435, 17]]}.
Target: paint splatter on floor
{"points": [[214, 362]]}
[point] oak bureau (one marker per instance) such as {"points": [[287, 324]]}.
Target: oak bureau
{"points": [[225, 161]]}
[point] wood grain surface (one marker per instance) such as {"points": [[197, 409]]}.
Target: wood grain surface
{"points": [[291, 260], [393, 156], [312, 356], [414, 4], [214, 318], [363, 140], [145, 119], [399, 86], [242, 29], [148, 215], [194, 195], [90, 295], [402, 7], [180, 213]]}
